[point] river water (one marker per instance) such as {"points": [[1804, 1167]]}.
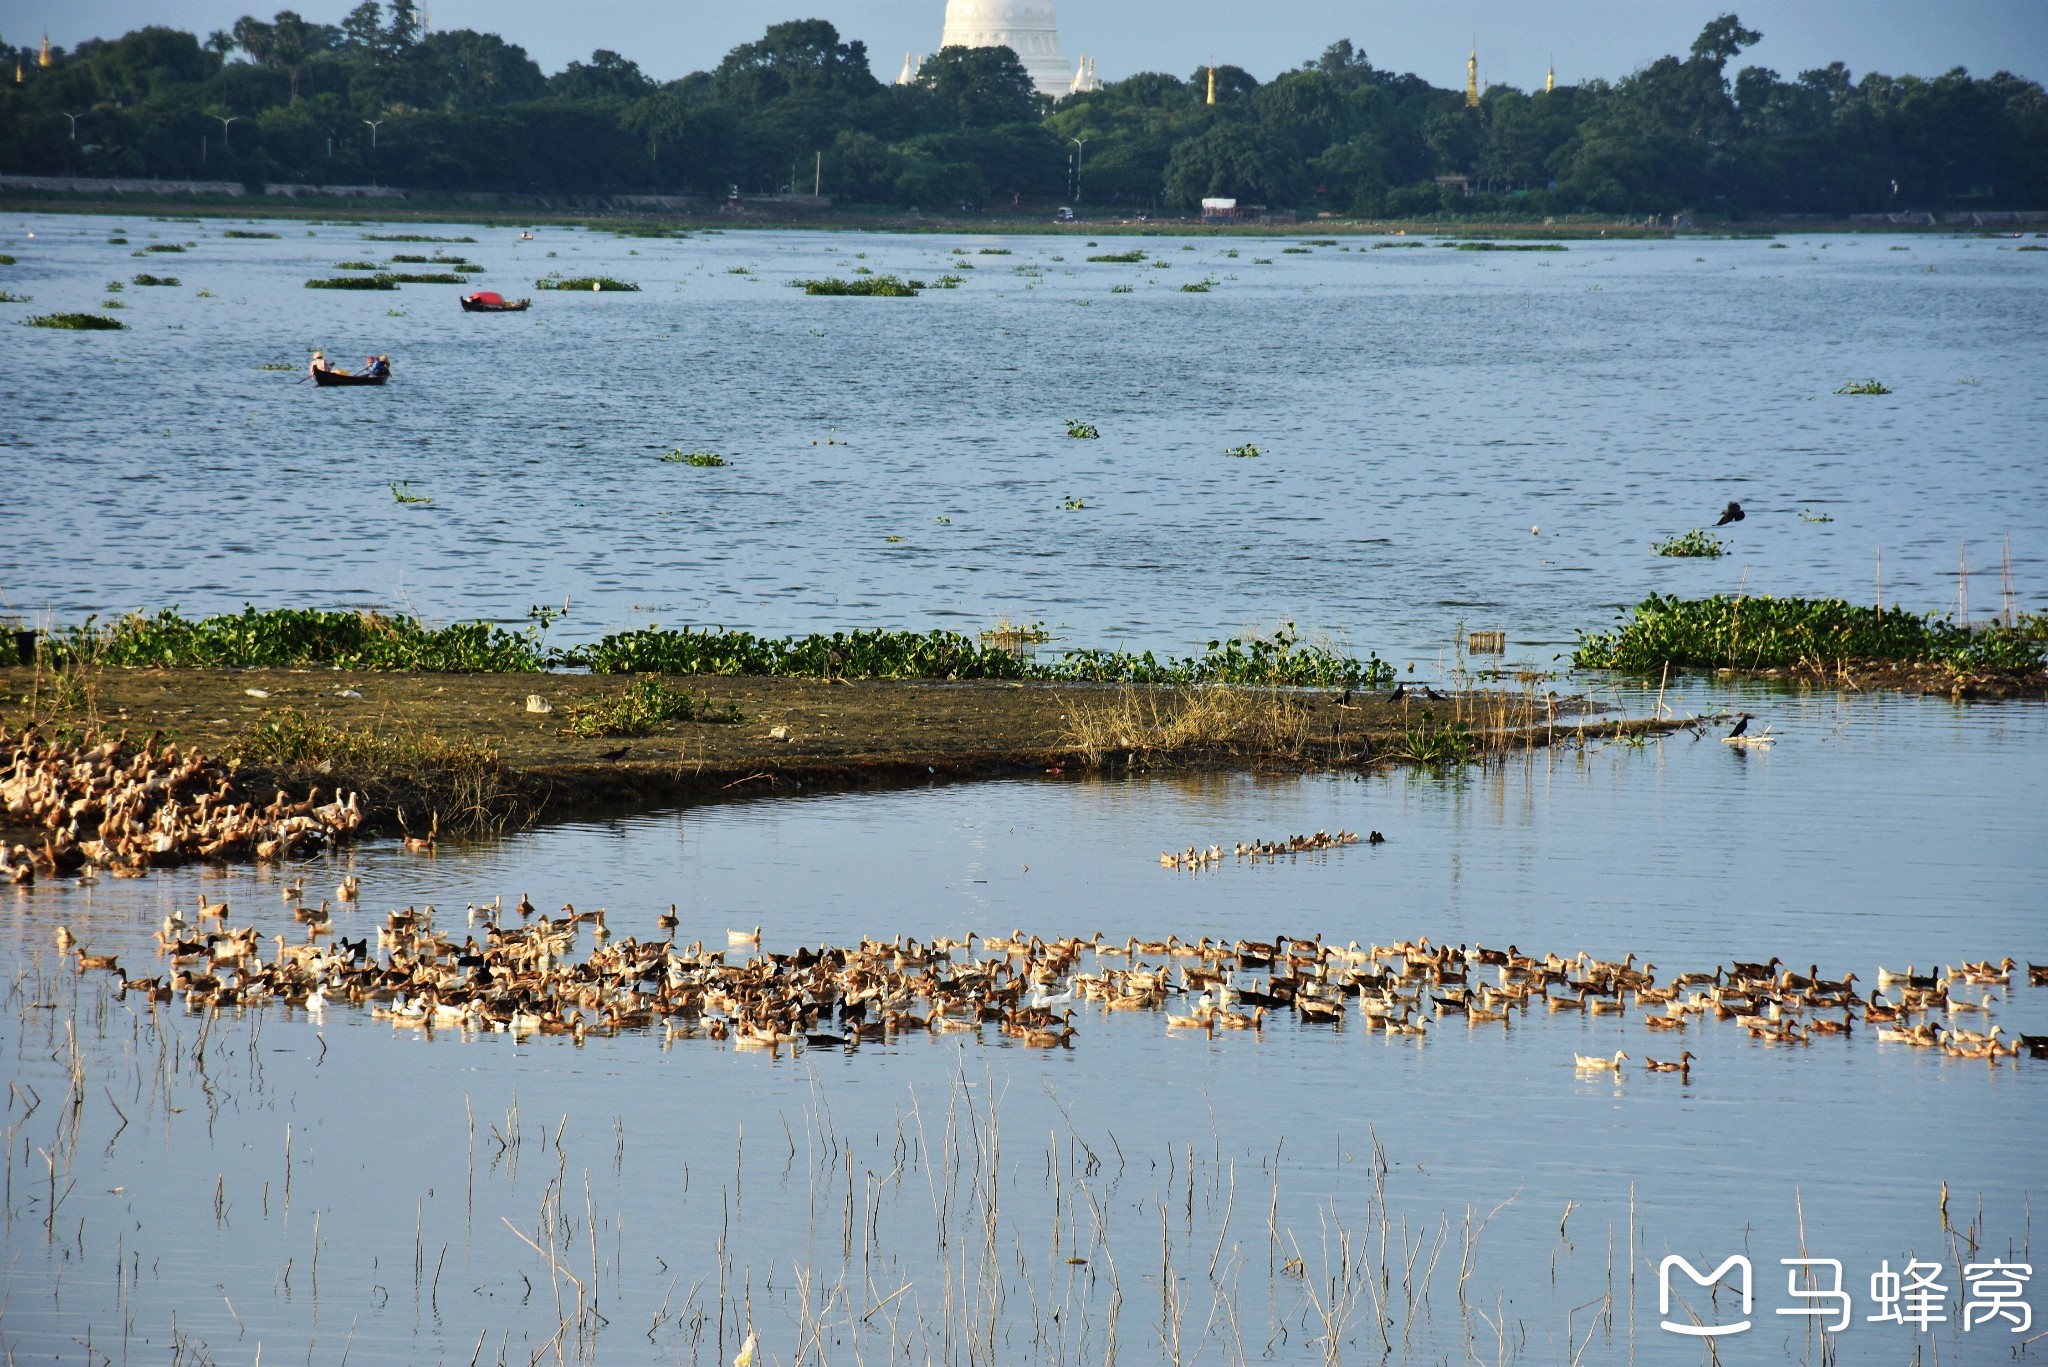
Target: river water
{"points": [[269, 1185]]}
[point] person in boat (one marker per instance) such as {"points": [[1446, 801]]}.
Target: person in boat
{"points": [[319, 364], [381, 366]]}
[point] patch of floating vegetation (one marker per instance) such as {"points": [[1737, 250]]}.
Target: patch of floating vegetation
{"points": [[401, 490], [411, 237], [704, 460], [1202, 286], [276, 365], [164, 247], [1694, 545], [641, 707], [353, 282], [75, 322], [1082, 431], [1245, 452], [147, 279], [1123, 289], [1776, 633], [873, 286], [1280, 660], [1864, 387], [290, 637], [596, 284], [1506, 246], [246, 233], [429, 278], [357, 266], [994, 251], [6, 260], [8, 297], [1129, 258]]}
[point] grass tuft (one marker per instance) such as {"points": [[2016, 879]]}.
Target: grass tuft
{"points": [[641, 707]]}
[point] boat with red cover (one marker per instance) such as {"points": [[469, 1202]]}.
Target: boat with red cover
{"points": [[490, 301]]}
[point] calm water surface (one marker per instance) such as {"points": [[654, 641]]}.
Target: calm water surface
{"points": [[1420, 410], [265, 1185]]}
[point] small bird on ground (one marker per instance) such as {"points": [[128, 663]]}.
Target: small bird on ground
{"points": [[1732, 513], [1741, 725], [617, 754]]}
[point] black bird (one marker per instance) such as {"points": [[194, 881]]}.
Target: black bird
{"points": [[1375, 839], [1732, 513], [617, 754], [1399, 694], [1741, 725]]}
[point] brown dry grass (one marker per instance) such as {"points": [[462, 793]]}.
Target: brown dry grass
{"points": [[1138, 721]]}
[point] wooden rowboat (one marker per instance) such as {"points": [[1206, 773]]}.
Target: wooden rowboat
{"points": [[328, 379]]}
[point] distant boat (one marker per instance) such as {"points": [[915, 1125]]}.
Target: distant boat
{"points": [[490, 301], [328, 379]]}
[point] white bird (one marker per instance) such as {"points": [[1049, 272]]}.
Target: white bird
{"points": [[746, 1354]]}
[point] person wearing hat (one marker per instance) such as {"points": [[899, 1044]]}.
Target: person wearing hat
{"points": [[316, 365]]}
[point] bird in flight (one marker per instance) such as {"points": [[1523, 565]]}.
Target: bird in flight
{"points": [[1732, 513]]}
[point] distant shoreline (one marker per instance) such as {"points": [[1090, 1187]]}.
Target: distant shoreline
{"points": [[1037, 223]]}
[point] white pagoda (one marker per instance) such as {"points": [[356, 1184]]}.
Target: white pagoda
{"points": [[1026, 27]]}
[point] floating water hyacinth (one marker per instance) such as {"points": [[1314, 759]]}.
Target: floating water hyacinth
{"points": [[1695, 544]]}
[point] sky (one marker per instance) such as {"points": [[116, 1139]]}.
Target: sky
{"points": [[1516, 38]]}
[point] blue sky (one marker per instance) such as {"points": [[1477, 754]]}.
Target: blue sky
{"points": [[1588, 38]]}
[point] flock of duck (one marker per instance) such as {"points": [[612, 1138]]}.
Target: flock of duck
{"points": [[1196, 858], [94, 811], [521, 971]]}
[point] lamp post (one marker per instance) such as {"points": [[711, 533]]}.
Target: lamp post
{"points": [[374, 124], [74, 125], [1080, 150], [224, 122]]}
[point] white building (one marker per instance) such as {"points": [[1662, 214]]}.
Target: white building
{"points": [[1026, 27]]}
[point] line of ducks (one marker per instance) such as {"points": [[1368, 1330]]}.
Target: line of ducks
{"points": [[522, 971], [98, 810], [1197, 858]]}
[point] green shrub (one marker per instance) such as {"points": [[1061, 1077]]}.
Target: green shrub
{"points": [[639, 708], [1775, 633], [288, 637]]}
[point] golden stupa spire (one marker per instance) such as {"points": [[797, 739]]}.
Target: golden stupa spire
{"points": [[44, 59], [1550, 77], [1212, 83], [1472, 78]]}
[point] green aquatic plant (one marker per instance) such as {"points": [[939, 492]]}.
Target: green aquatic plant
{"points": [[164, 247], [949, 282], [354, 282], [1807, 515], [1082, 431], [245, 232], [112, 304], [402, 491], [871, 286], [357, 266], [428, 278], [995, 251], [292, 637], [1279, 660], [76, 322], [147, 279], [1434, 743], [6, 260], [9, 297], [1073, 504], [115, 287], [1129, 258], [1296, 251], [1863, 387], [1773, 633], [276, 365], [596, 284], [1202, 286], [1695, 545], [640, 708], [1510, 246], [1245, 452], [1123, 289], [737, 270], [411, 237], [702, 459]]}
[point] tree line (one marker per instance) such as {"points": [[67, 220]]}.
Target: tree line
{"points": [[377, 98]]}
